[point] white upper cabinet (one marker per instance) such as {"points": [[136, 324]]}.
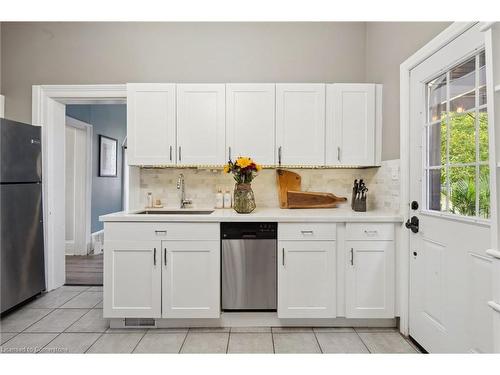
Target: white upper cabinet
{"points": [[353, 124], [300, 124], [201, 124], [151, 123], [250, 129]]}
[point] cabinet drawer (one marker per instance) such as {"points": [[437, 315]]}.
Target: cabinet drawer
{"points": [[161, 231], [369, 231], [303, 231]]}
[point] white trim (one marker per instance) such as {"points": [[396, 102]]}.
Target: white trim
{"points": [[44, 97], [2, 106], [70, 121], [441, 40]]}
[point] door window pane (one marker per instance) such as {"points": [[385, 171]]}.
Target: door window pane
{"points": [[436, 137], [437, 189], [462, 195], [437, 98], [462, 86], [484, 191], [462, 146]]}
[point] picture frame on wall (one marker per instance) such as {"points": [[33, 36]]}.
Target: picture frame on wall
{"points": [[108, 156]]}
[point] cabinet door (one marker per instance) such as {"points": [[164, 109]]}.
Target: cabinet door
{"points": [[151, 123], [370, 279], [201, 123], [300, 124], [351, 124], [132, 279], [250, 129], [191, 279], [306, 279]]}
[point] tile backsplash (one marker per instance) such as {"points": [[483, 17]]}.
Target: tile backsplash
{"points": [[202, 184]]}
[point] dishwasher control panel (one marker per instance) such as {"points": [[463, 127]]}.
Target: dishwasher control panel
{"points": [[243, 230]]}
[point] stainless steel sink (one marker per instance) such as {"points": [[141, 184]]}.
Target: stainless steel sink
{"points": [[175, 212]]}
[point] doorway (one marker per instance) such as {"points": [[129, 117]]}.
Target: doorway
{"points": [[450, 272], [87, 127]]}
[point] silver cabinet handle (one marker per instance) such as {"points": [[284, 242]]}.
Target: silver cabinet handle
{"points": [[170, 153], [229, 153], [180, 155], [279, 155], [283, 257], [352, 256], [338, 153], [165, 256], [154, 256], [371, 232], [307, 231], [161, 232]]}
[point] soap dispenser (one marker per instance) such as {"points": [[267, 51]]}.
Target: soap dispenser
{"points": [[219, 199]]}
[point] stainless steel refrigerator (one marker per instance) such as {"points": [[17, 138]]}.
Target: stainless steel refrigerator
{"points": [[22, 251]]}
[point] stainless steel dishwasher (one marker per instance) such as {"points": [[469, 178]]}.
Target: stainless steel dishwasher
{"points": [[249, 256]]}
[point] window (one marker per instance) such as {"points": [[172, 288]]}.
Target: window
{"points": [[456, 130]]}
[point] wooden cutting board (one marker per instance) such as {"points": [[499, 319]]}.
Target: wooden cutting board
{"points": [[305, 199], [287, 181], [291, 196]]}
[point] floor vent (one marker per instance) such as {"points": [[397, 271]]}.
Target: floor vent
{"points": [[140, 322]]}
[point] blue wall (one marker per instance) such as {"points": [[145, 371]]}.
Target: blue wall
{"points": [[111, 121]]}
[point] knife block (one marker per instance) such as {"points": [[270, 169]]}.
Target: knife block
{"points": [[359, 204]]}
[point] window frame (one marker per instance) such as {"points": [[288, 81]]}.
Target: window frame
{"points": [[429, 124]]}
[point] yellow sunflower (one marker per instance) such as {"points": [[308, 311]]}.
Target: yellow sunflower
{"points": [[243, 162], [226, 168]]}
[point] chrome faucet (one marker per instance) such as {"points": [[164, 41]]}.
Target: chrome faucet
{"points": [[181, 184]]}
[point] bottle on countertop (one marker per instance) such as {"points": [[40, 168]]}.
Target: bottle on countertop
{"points": [[149, 200], [219, 199], [228, 199]]}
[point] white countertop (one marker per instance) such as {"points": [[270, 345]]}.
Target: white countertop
{"points": [[341, 214]]}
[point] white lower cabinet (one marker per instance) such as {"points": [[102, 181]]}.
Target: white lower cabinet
{"points": [[132, 279], [191, 279], [370, 277], [160, 277], [306, 279]]}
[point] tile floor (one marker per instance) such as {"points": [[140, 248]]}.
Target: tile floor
{"points": [[69, 320]]}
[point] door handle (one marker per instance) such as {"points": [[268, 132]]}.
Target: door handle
{"points": [[283, 257], [412, 224], [161, 232], [154, 256], [338, 153], [180, 155], [229, 152], [352, 256], [279, 155], [307, 232], [170, 153], [165, 256]]}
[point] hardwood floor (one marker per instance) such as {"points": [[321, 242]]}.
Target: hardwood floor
{"points": [[84, 270]]}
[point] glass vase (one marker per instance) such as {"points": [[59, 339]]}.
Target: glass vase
{"points": [[244, 200]]}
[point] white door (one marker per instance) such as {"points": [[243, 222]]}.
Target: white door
{"points": [[369, 279], [351, 124], [151, 123], [450, 280], [77, 197], [191, 279], [201, 122], [132, 279], [306, 279], [300, 124], [250, 130]]}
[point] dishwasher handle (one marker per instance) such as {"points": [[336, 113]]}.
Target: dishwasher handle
{"points": [[249, 235]]}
